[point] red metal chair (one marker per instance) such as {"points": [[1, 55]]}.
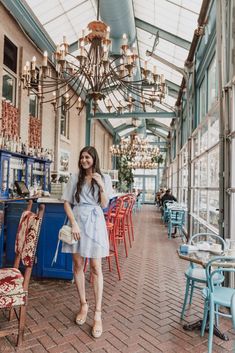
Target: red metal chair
{"points": [[123, 225], [112, 220], [130, 213], [13, 284]]}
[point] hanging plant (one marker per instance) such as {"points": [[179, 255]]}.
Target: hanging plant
{"points": [[125, 174]]}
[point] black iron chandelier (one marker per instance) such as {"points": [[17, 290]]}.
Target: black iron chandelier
{"points": [[94, 75]]}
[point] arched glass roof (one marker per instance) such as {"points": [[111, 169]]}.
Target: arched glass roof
{"points": [[167, 24]]}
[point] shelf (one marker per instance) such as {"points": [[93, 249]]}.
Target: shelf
{"points": [[20, 155]]}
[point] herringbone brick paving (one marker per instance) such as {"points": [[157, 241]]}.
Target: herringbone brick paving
{"points": [[141, 313]]}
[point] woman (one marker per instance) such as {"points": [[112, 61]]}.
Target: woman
{"points": [[88, 191]]}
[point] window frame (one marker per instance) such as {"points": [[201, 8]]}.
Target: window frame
{"points": [[8, 71], [64, 115], [32, 91]]}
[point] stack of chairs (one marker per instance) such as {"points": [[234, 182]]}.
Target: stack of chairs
{"points": [[120, 227]]}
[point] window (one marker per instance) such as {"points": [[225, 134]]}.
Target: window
{"points": [[10, 55], [202, 97], [212, 84], [64, 120], [9, 71], [33, 104], [8, 86], [205, 176]]}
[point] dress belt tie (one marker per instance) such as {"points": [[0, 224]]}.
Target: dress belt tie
{"points": [[89, 216]]}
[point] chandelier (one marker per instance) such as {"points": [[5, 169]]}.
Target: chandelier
{"points": [[94, 75], [139, 152], [142, 164]]}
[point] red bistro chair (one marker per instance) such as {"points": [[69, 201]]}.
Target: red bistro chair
{"points": [[112, 220], [130, 213], [123, 226]]}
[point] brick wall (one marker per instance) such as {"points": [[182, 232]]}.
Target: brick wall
{"points": [[35, 128], [10, 121]]}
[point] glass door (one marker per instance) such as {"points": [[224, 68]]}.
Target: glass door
{"points": [[146, 184], [138, 183], [149, 189]]}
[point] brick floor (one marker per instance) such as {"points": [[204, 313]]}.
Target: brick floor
{"points": [[140, 313]]}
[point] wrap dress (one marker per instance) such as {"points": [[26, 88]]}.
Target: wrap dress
{"points": [[93, 242]]}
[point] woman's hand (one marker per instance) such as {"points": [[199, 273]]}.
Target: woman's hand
{"points": [[98, 179], [75, 231]]}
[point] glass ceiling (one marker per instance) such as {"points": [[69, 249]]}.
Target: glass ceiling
{"points": [[178, 17]]}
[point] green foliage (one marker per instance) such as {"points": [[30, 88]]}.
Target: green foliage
{"points": [[125, 174], [63, 179], [157, 159]]}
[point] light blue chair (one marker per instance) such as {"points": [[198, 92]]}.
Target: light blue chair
{"points": [[232, 309], [138, 202], [175, 220], [196, 275], [165, 214], [217, 296]]}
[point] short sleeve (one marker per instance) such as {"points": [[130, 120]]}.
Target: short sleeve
{"points": [[70, 188], [108, 186]]}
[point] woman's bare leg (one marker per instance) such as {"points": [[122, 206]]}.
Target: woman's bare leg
{"points": [[96, 269], [79, 277]]}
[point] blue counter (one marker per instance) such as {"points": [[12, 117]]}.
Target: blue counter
{"points": [[53, 220], [1, 233]]}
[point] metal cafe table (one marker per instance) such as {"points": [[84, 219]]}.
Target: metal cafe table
{"points": [[201, 258]]}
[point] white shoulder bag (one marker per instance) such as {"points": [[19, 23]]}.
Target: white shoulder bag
{"points": [[65, 235]]}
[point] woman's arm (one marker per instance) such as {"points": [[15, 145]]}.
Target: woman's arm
{"points": [[103, 196], [74, 225]]}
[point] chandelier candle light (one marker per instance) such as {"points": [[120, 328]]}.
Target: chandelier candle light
{"points": [[141, 153], [95, 75]]}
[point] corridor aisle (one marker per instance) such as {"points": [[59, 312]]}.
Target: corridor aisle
{"points": [[140, 313]]}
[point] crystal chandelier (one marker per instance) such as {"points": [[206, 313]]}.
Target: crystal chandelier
{"points": [[139, 152], [143, 164], [93, 75]]}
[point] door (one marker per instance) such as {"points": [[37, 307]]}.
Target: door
{"points": [[149, 189], [146, 184]]}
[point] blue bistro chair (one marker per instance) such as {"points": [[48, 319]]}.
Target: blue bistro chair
{"points": [[232, 309], [175, 220], [216, 296], [165, 210], [138, 203], [196, 275]]}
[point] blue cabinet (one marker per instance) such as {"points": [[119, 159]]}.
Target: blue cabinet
{"points": [[53, 220]]}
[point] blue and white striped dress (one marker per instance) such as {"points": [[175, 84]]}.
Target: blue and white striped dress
{"points": [[89, 215]]}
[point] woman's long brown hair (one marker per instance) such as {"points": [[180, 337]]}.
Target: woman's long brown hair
{"points": [[82, 173]]}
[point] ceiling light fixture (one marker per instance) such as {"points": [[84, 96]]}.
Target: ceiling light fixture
{"points": [[94, 75], [140, 153]]}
